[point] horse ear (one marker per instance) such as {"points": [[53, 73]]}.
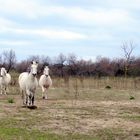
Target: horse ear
{"points": [[34, 62], [37, 63]]}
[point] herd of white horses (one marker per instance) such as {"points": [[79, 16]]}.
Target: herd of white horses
{"points": [[28, 83]]}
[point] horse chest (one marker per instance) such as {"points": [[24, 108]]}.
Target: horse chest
{"points": [[3, 81], [31, 85]]}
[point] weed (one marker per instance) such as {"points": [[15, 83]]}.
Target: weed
{"points": [[132, 98], [11, 100]]}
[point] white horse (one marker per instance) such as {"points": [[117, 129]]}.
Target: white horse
{"points": [[28, 84], [5, 79], [45, 82]]}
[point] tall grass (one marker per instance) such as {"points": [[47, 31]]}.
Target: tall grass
{"points": [[75, 86], [86, 87], [97, 83], [77, 82]]}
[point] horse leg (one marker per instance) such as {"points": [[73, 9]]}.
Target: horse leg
{"points": [[33, 100], [43, 90], [1, 88], [5, 91], [24, 97], [46, 91], [28, 98]]}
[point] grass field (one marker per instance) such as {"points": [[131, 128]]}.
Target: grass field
{"points": [[77, 109]]}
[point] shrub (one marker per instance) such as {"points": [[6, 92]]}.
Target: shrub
{"points": [[132, 98], [10, 100]]}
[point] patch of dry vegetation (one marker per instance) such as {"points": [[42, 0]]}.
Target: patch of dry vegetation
{"points": [[96, 112]]}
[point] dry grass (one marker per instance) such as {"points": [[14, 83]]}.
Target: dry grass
{"points": [[77, 109]]}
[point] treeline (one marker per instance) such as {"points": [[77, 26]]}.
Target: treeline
{"points": [[72, 66]]}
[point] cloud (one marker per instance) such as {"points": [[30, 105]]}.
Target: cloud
{"points": [[14, 42], [50, 33], [20, 7], [96, 16], [35, 9], [96, 25], [8, 26], [101, 36], [125, 4], [4, 23]]}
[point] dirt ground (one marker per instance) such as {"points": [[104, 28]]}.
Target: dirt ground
{"points": [[118, 119]]}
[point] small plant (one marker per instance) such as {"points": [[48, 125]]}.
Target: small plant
{"points": [[10, 100], [108, 87], [132, 98]]}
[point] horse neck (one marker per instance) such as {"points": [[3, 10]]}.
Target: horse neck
{"points": [[31, 77], [3, 76]]}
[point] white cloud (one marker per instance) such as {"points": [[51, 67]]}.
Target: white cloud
{"points": [[13, 42], [4, 23], [19, 7], [89, 57], [35, 9], [96, 17], [105, 22], [48, 33], [8, 26], [101, 36], [125, 4]]}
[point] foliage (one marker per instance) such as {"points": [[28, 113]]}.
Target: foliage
{"points": [[10, 100], [132, 98], [63, 65]]}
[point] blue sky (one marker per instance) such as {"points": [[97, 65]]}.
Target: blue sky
{"points": [[87, 28]]}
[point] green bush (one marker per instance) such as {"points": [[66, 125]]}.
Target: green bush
{"points": [[132, 98], [10, 100]]}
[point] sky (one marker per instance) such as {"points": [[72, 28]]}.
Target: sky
{"points": [[86, 28]]}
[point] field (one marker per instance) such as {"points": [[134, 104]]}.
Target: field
{"points": [[77, 109]]}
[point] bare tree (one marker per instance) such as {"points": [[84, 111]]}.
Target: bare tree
{"points": [[61, 58], [72, 59], [9, 59], [1, 60], [127, 49], [73, 64], [22, 66], [34, 57], [45, 60]]}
